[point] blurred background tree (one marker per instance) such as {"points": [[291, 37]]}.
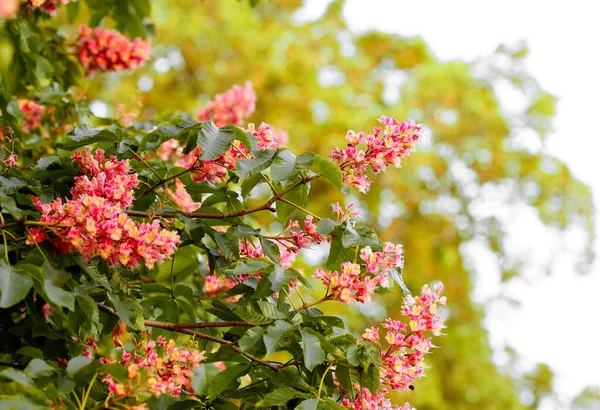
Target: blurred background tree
{"points": [[452, 199]]}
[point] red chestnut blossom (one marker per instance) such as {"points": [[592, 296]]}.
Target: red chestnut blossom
{"points": [[33, 114], [373, 401], [344, 214], [351, 284], [403, 359], [106, 50], [182, 198], [166, 369], [388, 148], [11, 161], [93, 223], [231, 107], [47, 310], [49, 6], [354, 285]]}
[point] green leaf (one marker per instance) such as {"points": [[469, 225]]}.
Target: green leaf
{"points": [[280, 397], [370, 379], [214, 141], [37, 368], [396, 274], [250, 266], [347, 377], [76, 364], [252, 338], [338, 253], [85, 135], [298, 196], [17, 376], [262, 160], [326, 226], [248, 184], [278, 336], [44, 162], [128, 310], [283, 165], [270, 249], [360, 237], [313, 353], [14, 285], [330, 170], [227, 379]]}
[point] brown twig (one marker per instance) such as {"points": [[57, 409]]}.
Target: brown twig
{"points": [[184, 328]]}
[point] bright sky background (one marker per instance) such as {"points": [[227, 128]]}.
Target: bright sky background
{"points": [[558, 321]]}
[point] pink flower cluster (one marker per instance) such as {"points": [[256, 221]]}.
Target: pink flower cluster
{"points": [[231, 107], [351, 284], [34, 113], [49, 6], [386, 146], [365, 400], [267, 137], [106, 50], [93, 223], [403, 359], [166, 369]]}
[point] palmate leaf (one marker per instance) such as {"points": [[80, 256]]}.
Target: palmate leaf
{"points": [[313, 352], [277, 336], [280, 397]]}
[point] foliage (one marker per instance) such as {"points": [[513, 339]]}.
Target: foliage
{"points": [[93, 317]]}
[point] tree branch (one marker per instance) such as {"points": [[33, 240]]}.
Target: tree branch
{"points": [[184, 328]]}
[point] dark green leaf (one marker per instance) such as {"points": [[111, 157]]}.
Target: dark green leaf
{"points": [[277, 336], [313, 353], [214, 141], [14, 285], [247, 167], [329, 170], [227, 379], [280, 397], [283, 165]]}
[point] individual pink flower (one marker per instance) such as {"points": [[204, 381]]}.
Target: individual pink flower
{"points": [[34, 113], [231, 107], [108, 50], [47, 310], [385, 147], [94, 223], [344, 214], [11, 161]]}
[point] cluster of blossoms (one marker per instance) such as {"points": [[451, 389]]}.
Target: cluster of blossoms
{"points": [[386, 146], [106, 50], [34, 113], [7, 135], [94, 223], [352, 284], [344, 214], [373, 401], [231, 107], [267, 137], [167, 369], [49, 6], [403, 360]]}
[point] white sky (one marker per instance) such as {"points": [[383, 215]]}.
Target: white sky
{"points": [[558, 320]]}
